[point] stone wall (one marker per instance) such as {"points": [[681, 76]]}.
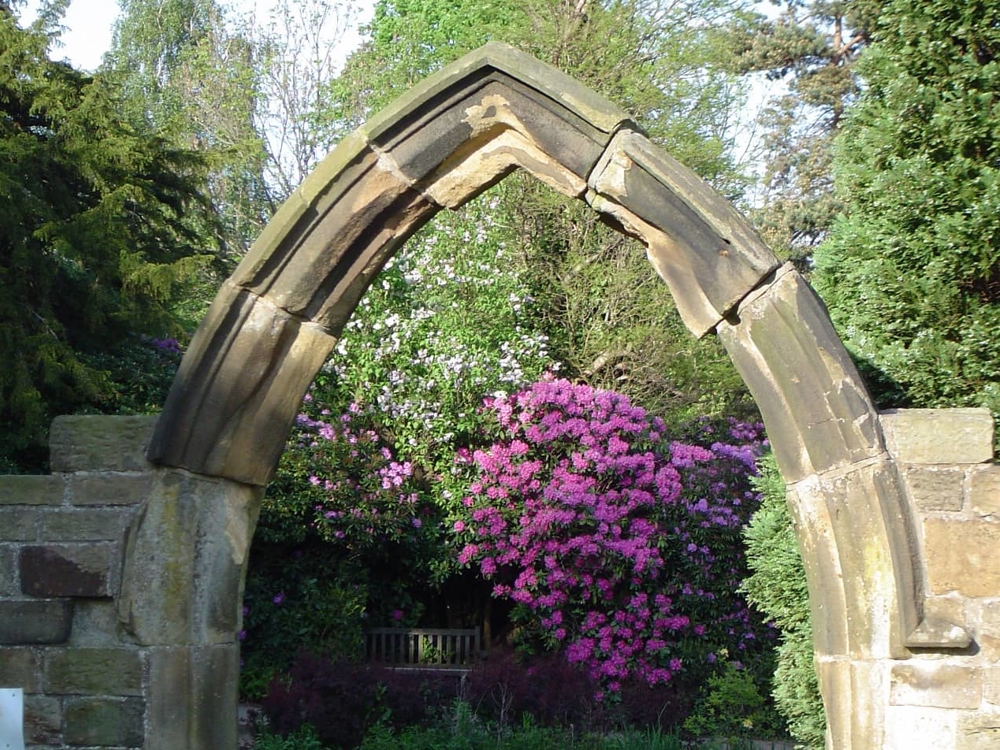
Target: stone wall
{"points": [[97, 674], [131, 644], [949, 698], [60, 566]]}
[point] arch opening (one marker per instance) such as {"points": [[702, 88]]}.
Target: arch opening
{"points": [[275, 321]]}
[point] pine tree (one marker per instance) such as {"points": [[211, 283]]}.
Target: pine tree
{"points": [[811, 47], [98, 229]]}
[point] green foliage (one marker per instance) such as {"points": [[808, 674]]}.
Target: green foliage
{"points": [[99, 235], [734, 703], [777, 587], [302, 739], [911, 273]]}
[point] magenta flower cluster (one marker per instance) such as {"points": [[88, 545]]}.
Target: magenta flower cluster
{"points": [[619, 547], [372, 497]]}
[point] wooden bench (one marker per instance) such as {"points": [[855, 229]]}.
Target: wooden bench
{"points": [[423, 647]]}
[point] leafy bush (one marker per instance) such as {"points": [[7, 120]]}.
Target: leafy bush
{"points": [[304, 738], [777, 587], [621, 549]]}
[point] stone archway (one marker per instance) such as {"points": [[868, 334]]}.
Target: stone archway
{"points": [[275, 321]]}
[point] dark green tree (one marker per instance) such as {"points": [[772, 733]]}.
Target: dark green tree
{"points": [[99, 228], [911, 273]]}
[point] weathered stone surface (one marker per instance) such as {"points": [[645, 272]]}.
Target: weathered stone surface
{"points": [[95, 624], [66, 570], [816, 408], [93, 671], [239, 387], [105, 721], [991, 684], [20, 668], [574, 102], [979, 731], [35, 620], [855, 720], [18, 524], [939, 436], [193, 697], [186, 558], [365, 211], [10, 581], [962, 556], [943, 625], [984, 491], [109, 489], [936, 488], [916, 683], [94, 443], [702, 247], [27, 489], [42, 720], [84, 524], [865, 582], [920, 728], [462, 120]]}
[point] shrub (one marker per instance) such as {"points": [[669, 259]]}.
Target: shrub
{"points": [[777, 587], [620, 548]]}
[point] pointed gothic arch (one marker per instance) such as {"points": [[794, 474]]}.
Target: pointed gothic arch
{"points": [[274, 322]]}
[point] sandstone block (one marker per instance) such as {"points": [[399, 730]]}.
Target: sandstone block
{"points": [[42, 720], [35, 621], [979, 731], [984, 491], [95, 624], [18, 524], [853, 535], [193, 697], [105, 722], [83, 524], [66, 570], [939, 436], [185, 560], [916, 683], [238, 389], [704, 249], [814, 403], [109, 489], [99, 443], [936, 488], [93, 671], [9, 579], [26, 489], [991, 684], [920, 728], [960, 556], [20, 668]]}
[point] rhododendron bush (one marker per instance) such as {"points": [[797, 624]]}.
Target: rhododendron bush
{"points": [[620, 547]]}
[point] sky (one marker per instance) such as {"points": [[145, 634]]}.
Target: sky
{"points": [[89, 24]]}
